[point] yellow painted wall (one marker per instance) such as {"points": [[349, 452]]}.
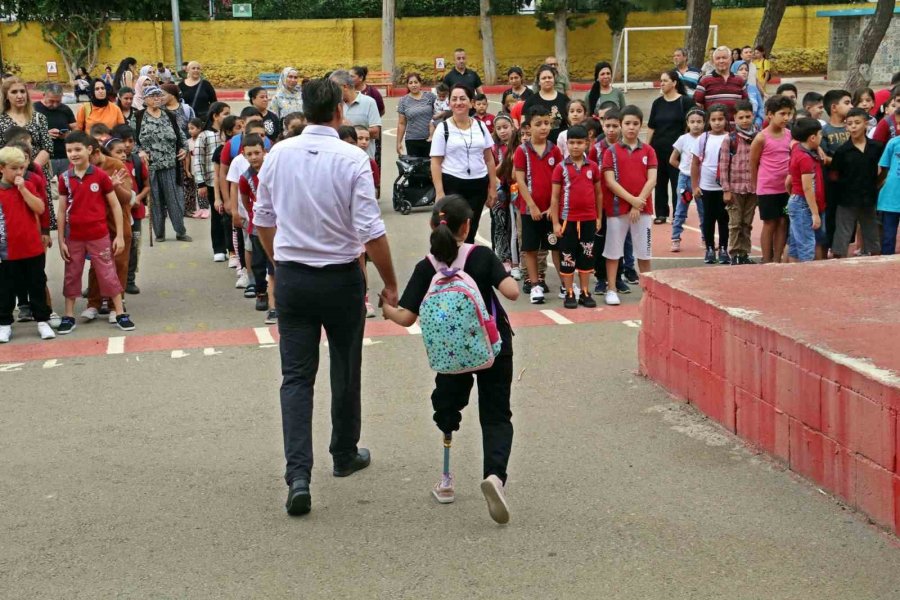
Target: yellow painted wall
{"points": [[234, 52]]}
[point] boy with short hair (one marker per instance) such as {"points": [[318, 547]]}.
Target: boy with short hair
{"points": [[739, 190], [440, 108], [534, 162], [254, 151], [137, 167], [834, 133], [363, 139], [236, 209], [813, 105], [629, 169], [855, 165], [889, 196], [806, 205], [22, 257], [612, 127], [789, 90], [482, 114], [84, 193], [575, 208]]}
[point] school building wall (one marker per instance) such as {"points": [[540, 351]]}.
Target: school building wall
{"points": [[235, 52]]}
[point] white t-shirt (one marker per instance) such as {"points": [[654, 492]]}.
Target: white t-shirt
{"points": [[237, 168], [464, 150], [707, 150], [685, 146]]}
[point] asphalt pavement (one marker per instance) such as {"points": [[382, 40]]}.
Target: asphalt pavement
{"points": [[152, 467]]}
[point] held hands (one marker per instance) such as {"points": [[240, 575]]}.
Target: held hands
{"points": [[389, 299], [118, 245], [634, 215], [639, 203]]}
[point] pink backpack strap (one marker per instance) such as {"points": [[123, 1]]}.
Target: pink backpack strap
{"points": [[458, 264]]}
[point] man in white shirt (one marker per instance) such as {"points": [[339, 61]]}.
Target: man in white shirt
{"points": [[359, 109], [320, 192]]}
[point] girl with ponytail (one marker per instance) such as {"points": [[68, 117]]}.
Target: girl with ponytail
{"points": [[450, 224]]}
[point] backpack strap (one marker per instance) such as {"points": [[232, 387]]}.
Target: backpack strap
{"points": [[458, 263]]}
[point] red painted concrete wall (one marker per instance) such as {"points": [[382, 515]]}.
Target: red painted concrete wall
{"points": [[832, 424]]}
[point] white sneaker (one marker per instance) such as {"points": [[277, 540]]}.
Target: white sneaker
{"points": [[46, 331], [5, 333], [443, 489], [516, 273], [55, 320], [219, 257], [537, 295], [234, 262], [112, 317], [242, 281], [370, 309], [612, 298], [492, 488], [90, 314]]}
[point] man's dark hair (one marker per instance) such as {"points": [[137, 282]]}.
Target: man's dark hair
{"points": [[321, 98], [538, 110], [577, 132], [833, 97], [810, 98], [633, 111], [459, 50], [98, 129], [254, 92], [787, 87], [255, 126], [253, 139], [250, 111], [777, 102], [804, 128], [743, 105], [16, 133], [858, 112], [123, 132], [347, 132]]}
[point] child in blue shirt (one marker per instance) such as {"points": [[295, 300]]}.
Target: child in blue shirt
{"points": [[889, 197]]}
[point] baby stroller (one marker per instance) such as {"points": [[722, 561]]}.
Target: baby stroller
{"points": [[413, 187]]}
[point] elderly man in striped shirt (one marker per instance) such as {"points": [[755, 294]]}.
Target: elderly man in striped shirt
{"points": [[721, 87]]}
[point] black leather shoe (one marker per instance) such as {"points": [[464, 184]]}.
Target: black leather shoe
{"points": [[357, 463], [299, 501]]}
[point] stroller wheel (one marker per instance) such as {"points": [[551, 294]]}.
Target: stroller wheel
{"points": [[405, 208]]}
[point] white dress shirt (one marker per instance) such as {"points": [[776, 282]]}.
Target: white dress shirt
{"points": [[319, 192]]}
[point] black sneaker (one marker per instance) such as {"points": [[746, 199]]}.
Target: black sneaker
{"points": [[272, 317], [710, 257], [262, 302], [132, 289], [622, 287], [586, 300], [160, 239], [746, 260], [250, 291], [544, 286], [184, 238], [124, 322], [66, 325], [600, 286], [25, 313], [570, 301], [104, 307], [723, 257], [526, 287], [631, 276]]}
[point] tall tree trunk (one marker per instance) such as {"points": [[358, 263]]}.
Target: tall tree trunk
{"points": [[860, 73], [561, 41], [688, 19], [768, 27], [387, 36], [699, 33], [487, 42]]}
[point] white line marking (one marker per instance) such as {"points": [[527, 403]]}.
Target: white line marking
{"points": [[268, 345], [390, 132], [179, 354], [116, 345], [263, 335], [757, 248], [414, 329], [210, 352], [556, 317], [10, 367], [370, 342], [635, 323], [52, 363]]}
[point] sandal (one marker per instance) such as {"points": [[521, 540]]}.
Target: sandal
{"points": [[659, 220]]}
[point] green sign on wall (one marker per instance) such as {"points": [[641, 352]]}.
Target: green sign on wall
{"points": [[239, 11]]}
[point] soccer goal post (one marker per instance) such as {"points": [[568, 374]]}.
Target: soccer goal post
{"points": [[622, 46]]}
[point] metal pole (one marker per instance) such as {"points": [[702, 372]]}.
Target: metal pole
{"points": [[176, 32]]}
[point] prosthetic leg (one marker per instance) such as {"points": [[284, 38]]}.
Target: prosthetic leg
{"points": [[443, 490]]}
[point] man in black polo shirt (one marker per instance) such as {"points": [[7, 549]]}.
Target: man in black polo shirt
{"points": [[60, 120], [460, 74]]}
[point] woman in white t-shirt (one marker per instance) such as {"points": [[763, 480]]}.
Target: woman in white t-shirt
{"points": [[706, 184], [461, 158]]}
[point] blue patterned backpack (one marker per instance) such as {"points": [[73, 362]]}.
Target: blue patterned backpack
{"points": [[459, 332]]}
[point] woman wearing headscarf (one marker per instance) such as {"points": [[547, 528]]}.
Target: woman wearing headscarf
{"points": [[99, 109], [748, 71], [183, 115], [287, 98], [198, 93], [147, 78]]}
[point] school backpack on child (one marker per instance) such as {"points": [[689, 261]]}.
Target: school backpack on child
{"points": [[459, 333]]}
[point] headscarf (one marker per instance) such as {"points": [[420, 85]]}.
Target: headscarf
{"points": [[142, 81], [145, 71], [286, 101], [97, 101], [753, 92]]}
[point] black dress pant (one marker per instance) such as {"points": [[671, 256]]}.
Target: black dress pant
{"points": [[474, 191], [451, 395], [420, 148], [217, 228], [24, 277], [310, 299], [666, 193], [714, 213]]}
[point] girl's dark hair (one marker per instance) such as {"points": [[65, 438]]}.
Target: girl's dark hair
{"points": [[581, 102], [347, 132], [111, 143], [361, 71], [215, 109], [449, 215], [124, 90], [196, 123], [124, 65], [717, 108], [228, 125], [594, 94], [505, 168], [254, 92], [676, 77], [857, 95], [777, 102], [123, 132], [516, 70]]}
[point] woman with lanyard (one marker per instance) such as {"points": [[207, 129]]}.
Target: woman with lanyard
{"points": [[197, 92], [287, 98], [124, 76], [666, 123], [100, 109], [517, 88], [414, 113], [556, 102], [147, 78], [160, 137], [603, 90], [462, 160]]}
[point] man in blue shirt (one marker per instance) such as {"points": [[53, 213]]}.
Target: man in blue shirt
{"points": [[690, 76]]}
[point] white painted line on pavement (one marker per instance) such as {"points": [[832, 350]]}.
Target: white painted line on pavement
{"points": [[556, 317], [210, 352], [370, 342], [116, 345], [179, 354], [10, 367], [636, 323], [414, 329], [52, 363], [263, 335], [757, 248]]}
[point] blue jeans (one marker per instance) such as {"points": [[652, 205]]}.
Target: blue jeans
{"points": [[681, 209], [628, 257], [802, 238], [889, 223]]}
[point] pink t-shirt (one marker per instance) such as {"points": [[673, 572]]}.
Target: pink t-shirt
{"points": [[773, 164]]}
